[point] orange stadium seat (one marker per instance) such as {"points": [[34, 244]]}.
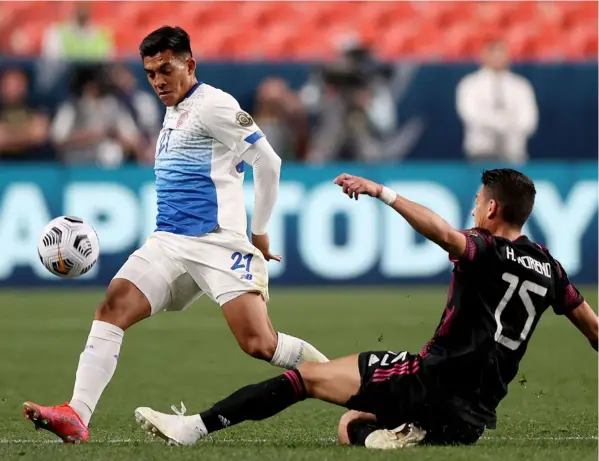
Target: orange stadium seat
{"points": [[127, 41], [446, 14], [309, 29], [26, 40], [264, 14], [399, 42], [459, 41], [582, 43], [522, 41]]}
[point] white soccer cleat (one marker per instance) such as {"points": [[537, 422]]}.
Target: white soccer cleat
{"points": [[176, 429], [311, 354], [404, 436]]}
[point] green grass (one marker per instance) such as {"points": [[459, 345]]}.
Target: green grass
{"points": [[192, 357]]}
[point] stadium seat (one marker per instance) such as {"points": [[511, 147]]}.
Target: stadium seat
{"points": [[446, 14], [400, 42], [459, 41], [493, 14], [522, 42], [309, 29], [127, 41], [26, 40], [582, 43]]}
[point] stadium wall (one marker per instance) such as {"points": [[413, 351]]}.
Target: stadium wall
{"points": [[324, 237], [566, 95]]}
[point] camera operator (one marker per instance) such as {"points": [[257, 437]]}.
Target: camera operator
{"points": [[353, 106]]}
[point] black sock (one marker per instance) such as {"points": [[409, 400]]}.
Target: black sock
{"points": [[256, 401], [359, 429]]}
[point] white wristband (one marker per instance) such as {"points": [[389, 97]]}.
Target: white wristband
{"points": [[388, 196]]}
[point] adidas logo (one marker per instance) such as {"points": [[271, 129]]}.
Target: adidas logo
{"points": [[373, 359], [224, 421]]}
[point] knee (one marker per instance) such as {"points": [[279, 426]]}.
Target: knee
{"points": [[123, 305], [346, 420], [259, 347], [342, 429], [112, 310]]}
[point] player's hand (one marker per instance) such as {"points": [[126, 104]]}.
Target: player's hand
{"points": [[354, 186], [262, 242]]}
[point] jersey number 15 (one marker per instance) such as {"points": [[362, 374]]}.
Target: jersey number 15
{"points": [[526, 288]]}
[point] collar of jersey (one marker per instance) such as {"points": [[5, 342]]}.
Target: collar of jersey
{"points": [[191, 91]]}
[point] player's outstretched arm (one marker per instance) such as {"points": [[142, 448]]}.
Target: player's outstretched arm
{"points": [[584, 318], [422, 219]]}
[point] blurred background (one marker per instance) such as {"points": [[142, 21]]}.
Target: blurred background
{"points": [[420, 95]]}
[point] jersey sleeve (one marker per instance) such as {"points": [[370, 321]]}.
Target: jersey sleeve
{"points": [[567, 297], [222, 117], [478, 242]]}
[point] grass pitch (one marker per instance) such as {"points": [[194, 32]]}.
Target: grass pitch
{"points": [[549, 414]]}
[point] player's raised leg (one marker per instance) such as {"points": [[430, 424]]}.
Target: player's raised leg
{"points": [[335, 382], [141, 288], [248, 320], [123, 306]]}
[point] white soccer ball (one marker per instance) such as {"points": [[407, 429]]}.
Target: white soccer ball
{"points": [[68, 247]]}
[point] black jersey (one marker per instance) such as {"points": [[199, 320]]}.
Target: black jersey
{"points": [[499, 290]]}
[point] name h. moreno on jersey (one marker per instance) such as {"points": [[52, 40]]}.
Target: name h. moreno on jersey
{"points": [[529, 262]]}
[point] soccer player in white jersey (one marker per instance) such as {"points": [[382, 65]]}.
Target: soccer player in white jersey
{"points": [[200, 244]]}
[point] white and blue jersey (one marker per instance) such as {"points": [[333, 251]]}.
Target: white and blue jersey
{"points": [[198, 167]]}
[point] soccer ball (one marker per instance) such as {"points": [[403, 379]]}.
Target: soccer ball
{"points": [[68, 247]]}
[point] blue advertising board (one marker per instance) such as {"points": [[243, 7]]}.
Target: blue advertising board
{"points": [[324, 237]]}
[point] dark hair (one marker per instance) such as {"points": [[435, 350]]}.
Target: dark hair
{"points": [[165, 38], [83, 74], [515, 192]]}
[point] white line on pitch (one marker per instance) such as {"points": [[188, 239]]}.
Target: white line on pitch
{"points": [[227, 441]]}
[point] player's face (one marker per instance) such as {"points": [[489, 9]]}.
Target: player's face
{"points": [[485, 209], [171, 76]]}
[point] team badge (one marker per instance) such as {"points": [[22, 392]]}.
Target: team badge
{"points": [[182, 119], [244, 119]]}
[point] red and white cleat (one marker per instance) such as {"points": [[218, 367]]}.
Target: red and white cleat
{"points": [[61, 420]]}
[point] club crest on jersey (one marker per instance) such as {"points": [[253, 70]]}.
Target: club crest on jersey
{"points": [[244, 119], [182, 118]]}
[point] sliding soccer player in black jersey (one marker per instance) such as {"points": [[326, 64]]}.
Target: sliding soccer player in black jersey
{"points": [[448, 393]]}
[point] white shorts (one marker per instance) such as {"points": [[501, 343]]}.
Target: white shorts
{"points": [[173, 271]]}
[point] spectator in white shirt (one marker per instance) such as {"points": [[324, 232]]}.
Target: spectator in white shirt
{"points": [[92, 126], [498, 109]]}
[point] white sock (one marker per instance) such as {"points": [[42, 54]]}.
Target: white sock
{"points": [[97, 364], [292, 352]]}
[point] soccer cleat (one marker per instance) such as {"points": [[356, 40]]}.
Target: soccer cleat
{"points": [[61, 420], [404, 436], [176, 429]]}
